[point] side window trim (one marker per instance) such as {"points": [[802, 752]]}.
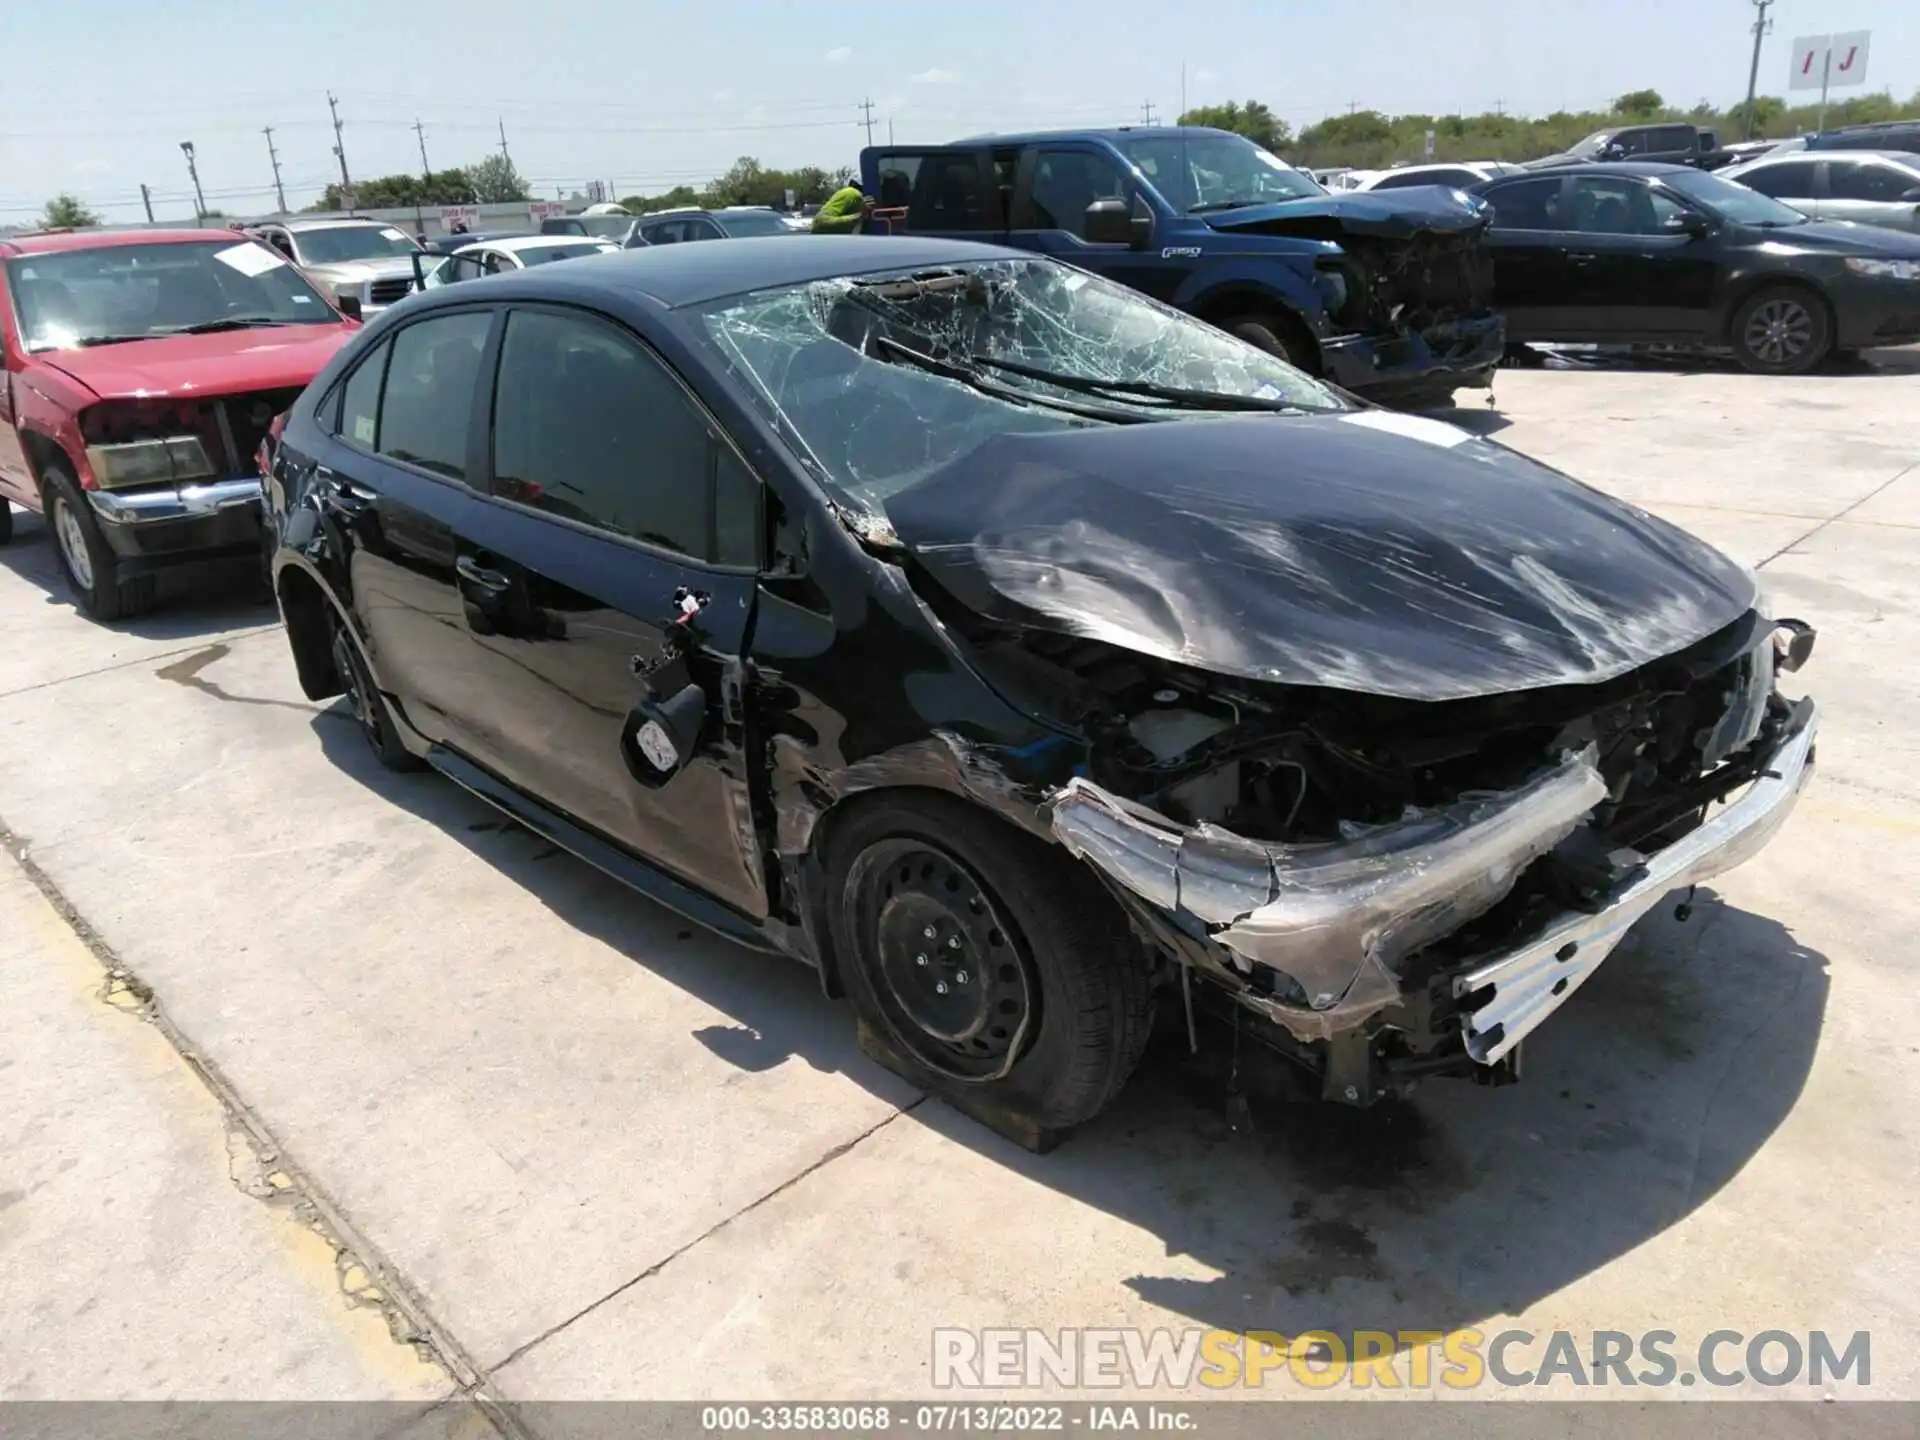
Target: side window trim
{"points": [[718, 433]]}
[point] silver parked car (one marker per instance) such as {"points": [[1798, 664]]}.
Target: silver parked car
{"points": [[364, 265], [1874, 187]]}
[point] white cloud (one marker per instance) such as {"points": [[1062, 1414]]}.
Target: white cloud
{"points": [[839, 55], [1203, 76], [935, 76], [93, 167], [721, 97]]}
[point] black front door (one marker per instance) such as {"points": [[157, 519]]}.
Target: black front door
{"points": [[1633, 273], [623, 530]]}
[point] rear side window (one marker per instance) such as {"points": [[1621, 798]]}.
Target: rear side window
{"points": [[360, 399], [1672, 139], [1527, 205], [589, 426], [951, 195], [427, 403], [1791, 178]]}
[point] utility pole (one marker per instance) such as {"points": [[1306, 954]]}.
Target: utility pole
{"points": [[274, 157], [866, 107], [1761, 25], [339, 146], [146, 199], [1146, 112], [426, 170], [1183, 91], [186, 148], [503, 145], [1500, 108]]}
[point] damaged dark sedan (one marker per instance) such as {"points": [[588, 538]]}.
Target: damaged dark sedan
{"points": [[1023, 653]]}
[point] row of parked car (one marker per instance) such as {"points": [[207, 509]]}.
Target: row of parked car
{"points": [[1017, 651]]}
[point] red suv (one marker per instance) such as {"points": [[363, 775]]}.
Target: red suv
{"points": [[143, 371]]}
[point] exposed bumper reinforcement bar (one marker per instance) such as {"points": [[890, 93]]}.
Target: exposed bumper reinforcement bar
{"points": [[1526, 985]]}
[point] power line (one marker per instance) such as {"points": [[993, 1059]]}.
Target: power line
{"points": [[274, 157]]}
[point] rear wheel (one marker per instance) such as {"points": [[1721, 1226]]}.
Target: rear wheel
{"points": [[1277, 337], [366, 704], [1782, 330], [991, 961], [92, 570]]}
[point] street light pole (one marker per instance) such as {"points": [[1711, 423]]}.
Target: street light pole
{"points": [[1760, 27], [199, 200]]}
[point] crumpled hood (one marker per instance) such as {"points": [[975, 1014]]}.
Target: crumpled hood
{"points": [[223, 363], [1369, 552], [1389, 214]]}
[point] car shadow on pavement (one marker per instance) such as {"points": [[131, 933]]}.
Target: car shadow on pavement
{"points": [[1479, 419], [1654, 1086], [193, 600]]}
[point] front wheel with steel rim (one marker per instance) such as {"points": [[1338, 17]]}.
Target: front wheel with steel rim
{"points": [[92, 570], [1782, 330], [991, 961], [366, 704]]}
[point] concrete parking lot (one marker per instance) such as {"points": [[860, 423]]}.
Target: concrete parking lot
{"points": [[444, 1083]]}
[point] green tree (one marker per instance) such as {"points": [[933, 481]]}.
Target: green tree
{"points": [[1253, 120], [68, 212], [495, 181], [1639, 104]]}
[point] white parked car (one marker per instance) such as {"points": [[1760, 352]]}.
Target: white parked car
{"points": [[1874, 187], [518, 252], [1460, 174]]}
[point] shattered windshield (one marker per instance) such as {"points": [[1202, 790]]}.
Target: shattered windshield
{"points": [[878, 380], [1215, 172]]}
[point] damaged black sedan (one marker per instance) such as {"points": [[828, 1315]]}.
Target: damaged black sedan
{"points": [[1021, 653]]}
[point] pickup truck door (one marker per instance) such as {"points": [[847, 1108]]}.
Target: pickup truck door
{"points": [[16, 477], [1053, 187]]}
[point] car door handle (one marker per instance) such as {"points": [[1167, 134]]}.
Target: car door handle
{"points": [[494, 582], [342, 491], [1582, 259]]}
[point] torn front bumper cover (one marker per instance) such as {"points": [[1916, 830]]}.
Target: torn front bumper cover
{"points": [[1334, 920]]}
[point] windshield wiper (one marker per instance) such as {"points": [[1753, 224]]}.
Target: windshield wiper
{"points": [[227, 322], [946, 369], [1170, 396]]}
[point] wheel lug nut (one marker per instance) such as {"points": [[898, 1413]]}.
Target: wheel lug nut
{"points": [[961, 977], [953, 942], [928, 932], [919, 959], [941, 988]]}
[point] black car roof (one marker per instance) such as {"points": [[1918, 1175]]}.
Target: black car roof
{"points": [[678, 275]]}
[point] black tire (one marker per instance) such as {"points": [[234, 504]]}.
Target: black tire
{"points": [[1781, 330], [92, 570], [1277, 338], [367, 705], [1059, 1004], [6, 521]]}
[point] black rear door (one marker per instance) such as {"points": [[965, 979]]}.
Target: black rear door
{"points": [[1528, 241], [394, 487], [620, 515]]}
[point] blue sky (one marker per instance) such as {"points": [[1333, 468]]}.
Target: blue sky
{"points": [[648, 93]]}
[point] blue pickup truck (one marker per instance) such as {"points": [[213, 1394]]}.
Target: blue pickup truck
{"points": [[1388, 295]]}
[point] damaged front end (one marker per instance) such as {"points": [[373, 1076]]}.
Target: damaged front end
{"points": [[1382, 948], [1412, 284]]}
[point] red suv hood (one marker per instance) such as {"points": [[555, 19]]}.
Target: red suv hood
{"points": [[224, 363]]}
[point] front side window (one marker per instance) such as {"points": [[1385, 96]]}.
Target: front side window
{"points": [[547, 254], [99, 296], [589, 426], [1066, 182], [1867, 180], [1616, 205], [334, 245], [669, 232], [1527, 205], [878, 382], [428, 400], [1197, 173]]}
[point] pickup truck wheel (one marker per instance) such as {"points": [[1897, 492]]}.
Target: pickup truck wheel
{"points": [[1782, 330], [987, 957], [88, 562], [366, 704], [1276, 339]]}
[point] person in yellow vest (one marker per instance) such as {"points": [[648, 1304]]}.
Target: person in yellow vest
{"points": [[844, 213]]}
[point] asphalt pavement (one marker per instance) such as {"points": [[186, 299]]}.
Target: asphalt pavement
{"points": [[441, 1111]]}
